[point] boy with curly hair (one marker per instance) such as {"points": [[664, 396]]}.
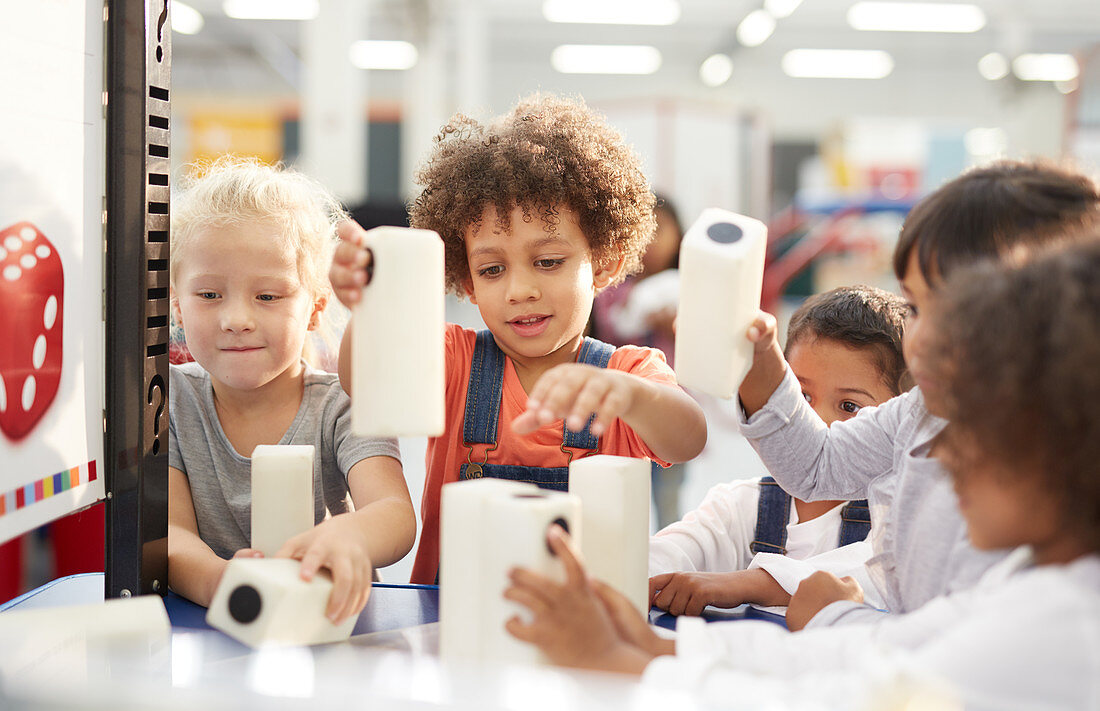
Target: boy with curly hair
{"points": [[538, 210]]}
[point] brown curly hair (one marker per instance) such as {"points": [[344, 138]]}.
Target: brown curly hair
{"points": [[547, 153], [991, 211], [1018, 350]]}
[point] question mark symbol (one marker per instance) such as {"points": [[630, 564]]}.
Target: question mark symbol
{"points": [[156, 385], [160, 28]]}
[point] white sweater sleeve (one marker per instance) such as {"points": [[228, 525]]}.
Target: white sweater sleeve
{"points": [[1028, 642], [714, 537], [815, 462]]}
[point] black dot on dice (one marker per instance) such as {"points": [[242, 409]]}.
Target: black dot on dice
{"points": [[245, 604], [724, 232]]}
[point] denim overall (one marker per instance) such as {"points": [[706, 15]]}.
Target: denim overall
{"points": [[773, 513], [483, 395]]}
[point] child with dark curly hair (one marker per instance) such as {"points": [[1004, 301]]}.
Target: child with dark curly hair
{"points": [[538, 211], [1016, 351]]}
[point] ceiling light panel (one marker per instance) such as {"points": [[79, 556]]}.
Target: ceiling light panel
{"points": [[382, 54], [271, 9], [605, 59], [612, 12], [837, 63], [916, 17]]}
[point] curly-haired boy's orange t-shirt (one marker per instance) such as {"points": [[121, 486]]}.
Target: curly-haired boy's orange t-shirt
{"points": [[541, 448]]}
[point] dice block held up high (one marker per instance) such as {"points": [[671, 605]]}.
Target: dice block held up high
{"points": [[32, 292]]}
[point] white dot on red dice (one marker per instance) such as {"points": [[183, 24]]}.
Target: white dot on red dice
{"points": [[38, 356], [12, 243], [28, 234], [49, 314], [3, 395], [12, 272], [27, 261], [42, 251], [28, 393]]}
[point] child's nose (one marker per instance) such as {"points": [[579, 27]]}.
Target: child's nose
{"points": [[237, 317], [522, 287]]}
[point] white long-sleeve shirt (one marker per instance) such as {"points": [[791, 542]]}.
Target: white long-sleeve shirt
{"points": [[919, 542], [1023, 638], [716, 537]]}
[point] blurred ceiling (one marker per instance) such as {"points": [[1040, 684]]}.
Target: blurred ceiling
{"points": [[232, 55]]}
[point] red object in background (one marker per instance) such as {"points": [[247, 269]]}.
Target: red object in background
{"points": [[32, 290], [76, 545], [894, 183], [11, 569], [78, 542]]}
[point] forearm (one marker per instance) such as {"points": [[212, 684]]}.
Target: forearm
{"points": [[667, 419], [762, 380], [759, 588], [388, 526], [194, 570]]}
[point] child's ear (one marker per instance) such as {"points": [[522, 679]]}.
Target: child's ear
{"points": [[608, 273], [174, 304], [319, 305], [468, 285]]}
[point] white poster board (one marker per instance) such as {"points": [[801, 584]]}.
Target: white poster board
{"points": [[51, 261]]}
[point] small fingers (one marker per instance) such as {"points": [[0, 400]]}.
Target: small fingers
{"points": [[525, 597], [590, 398], [521, 631], [343, 580], [656, 584], [562, 546]]}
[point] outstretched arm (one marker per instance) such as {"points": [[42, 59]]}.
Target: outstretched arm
{"points": [[666, 418]]}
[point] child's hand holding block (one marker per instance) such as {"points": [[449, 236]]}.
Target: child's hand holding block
{"points": [[721, 273], [264, 601]]}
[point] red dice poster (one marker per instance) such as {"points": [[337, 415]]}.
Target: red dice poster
{"points": [[51, 262]]}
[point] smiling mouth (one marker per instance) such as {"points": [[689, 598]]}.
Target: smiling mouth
{"points": [[528, 320], [240, 349]]}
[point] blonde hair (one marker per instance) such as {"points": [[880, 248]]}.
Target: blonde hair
{"points": [[234, 190]]}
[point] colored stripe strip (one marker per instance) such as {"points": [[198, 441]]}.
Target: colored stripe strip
{"points": [[46, 487]]}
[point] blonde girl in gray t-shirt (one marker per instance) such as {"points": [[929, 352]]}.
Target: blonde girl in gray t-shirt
{"points": [[249, 265]]}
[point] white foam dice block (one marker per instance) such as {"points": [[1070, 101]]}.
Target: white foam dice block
{"points": [[721, 275], [264, 602], [461, 550], [141, 617], [504, 527], [614, 495], [397, 341], [282, 494]]}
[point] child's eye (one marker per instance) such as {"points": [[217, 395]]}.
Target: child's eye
{"points": [[492, 271], [807, 396], [207, 295], [851, 407], [267, 297], [548, 263], [911, 309]]}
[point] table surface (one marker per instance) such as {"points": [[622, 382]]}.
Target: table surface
{"points": [[391, 661]]}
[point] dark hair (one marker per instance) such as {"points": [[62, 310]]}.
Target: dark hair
{"points": [[548, 152], [990, 211], [1018, 352], [858, 317], [665, 205]]}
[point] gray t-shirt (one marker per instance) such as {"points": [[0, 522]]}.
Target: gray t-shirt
{"points": [[221, 479], [918, 536]]}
